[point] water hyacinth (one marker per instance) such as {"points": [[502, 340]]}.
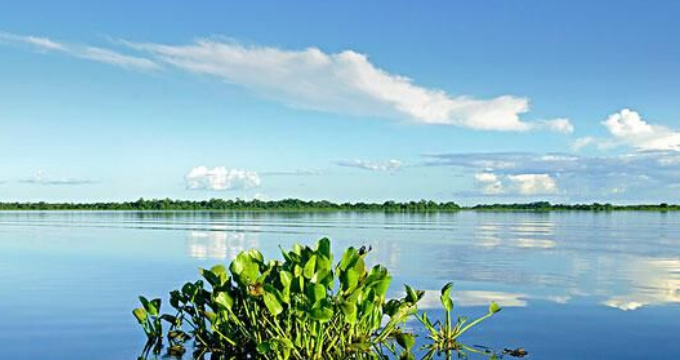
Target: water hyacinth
{"points": [[303, 307]]}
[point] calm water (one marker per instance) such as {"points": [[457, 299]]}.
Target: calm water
{"points": [[573, 285]]}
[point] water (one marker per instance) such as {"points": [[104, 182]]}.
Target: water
{"points": [[573, 285]]}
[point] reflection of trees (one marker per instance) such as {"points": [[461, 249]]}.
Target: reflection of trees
{"points": [[219, 244]]}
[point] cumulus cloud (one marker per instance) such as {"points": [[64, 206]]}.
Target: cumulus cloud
{"points": [[40, 179], [638, 176], [491, 183], [220, 178], [389, 165], [628, 128], [521, 184], [533, 184], [84, 52]]}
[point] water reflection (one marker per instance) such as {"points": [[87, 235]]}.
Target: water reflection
{"points": [[653, 282], [555, 269], [219, 245], [469, 298]]}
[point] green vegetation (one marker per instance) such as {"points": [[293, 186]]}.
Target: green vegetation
{"points": [[240, 205], [546, 206], [299, 308], [422, 206]]}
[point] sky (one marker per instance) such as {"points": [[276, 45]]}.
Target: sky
{"points": [[466, 101]]}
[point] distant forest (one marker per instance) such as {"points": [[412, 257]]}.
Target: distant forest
{"points": [[421, 206]]}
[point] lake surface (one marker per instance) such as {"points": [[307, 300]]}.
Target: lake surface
{"points": [[573, 285]]}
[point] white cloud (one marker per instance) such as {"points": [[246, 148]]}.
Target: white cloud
{"points": [[220, 178], [40, 179], [582, 142], [491, 183], [522, 184], [533, 184], [114, 58], [389, 165], [561, 125], [628, 128], [344, 82], [639, 176], [84, 52]]}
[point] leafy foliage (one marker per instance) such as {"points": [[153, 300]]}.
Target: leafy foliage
{"points": [[303, 307]]}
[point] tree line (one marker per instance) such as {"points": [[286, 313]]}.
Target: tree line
{"points": [[238, 205], [323, 205], [547, 206]]}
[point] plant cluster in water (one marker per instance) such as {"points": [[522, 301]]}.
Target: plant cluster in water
{"points": [[303, 307]]}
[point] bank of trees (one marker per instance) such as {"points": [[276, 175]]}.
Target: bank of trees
{"points": [[422, 206], [240, 204], [546, 206]]}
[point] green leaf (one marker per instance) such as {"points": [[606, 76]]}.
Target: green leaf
{"points": [[156, 303], [224, 300], [310, 266], [169, 318], [349, 280], [316, 293], [407, 355], [189, 290], [245, 269], [256, 255], [349, 258], [445, 297], [175, 298], [297, 270], [323, 247], [411, 295], [322, 311], [264, 347], [140, 314], [152, 307], [382, 286], [349, 309], [406, 340], [286, 278], [272, 303]]}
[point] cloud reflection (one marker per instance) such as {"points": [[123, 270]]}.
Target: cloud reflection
{"points": [[219, 245], [469, 298], [654, 282]]}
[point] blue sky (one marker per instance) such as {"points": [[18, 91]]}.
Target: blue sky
{"points": [[478, 101]]}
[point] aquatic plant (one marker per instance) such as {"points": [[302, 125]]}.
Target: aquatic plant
{"points": [[444, 336], [303, 307]]}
